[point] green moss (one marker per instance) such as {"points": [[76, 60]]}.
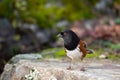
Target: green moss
{"points": [[114, 57], [11, 61], [53, 52], [59, 53]]}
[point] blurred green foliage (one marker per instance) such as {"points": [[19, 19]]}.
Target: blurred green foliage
{"points": [[5, 8], [79, 9], [46, 13], [115, 46]]}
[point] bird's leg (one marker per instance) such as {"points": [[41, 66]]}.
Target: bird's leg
{"points": [[70, 65], [82, 68]]}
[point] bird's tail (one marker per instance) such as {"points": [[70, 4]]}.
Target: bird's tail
{"points": [[90, 51]]}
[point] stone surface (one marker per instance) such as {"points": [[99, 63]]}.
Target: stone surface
{"points": [[103, 56], [56, 70], [29, 56]]}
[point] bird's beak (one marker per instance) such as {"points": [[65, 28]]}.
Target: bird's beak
{"points": [[59, 35]]}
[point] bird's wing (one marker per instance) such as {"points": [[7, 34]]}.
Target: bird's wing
{"points": [[82, 48], [83, 44]]}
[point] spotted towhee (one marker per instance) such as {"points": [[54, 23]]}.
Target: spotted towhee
{"points": [[75, 48]]}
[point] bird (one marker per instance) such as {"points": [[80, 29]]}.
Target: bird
{"points": [[75, 47]]}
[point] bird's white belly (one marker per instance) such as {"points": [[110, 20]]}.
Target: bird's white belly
{"points": [[74, 53]]}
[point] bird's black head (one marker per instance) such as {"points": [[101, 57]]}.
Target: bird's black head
{"points": [[71, 40]]}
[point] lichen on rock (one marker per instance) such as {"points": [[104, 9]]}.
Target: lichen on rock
{"points": [[33, 75]]}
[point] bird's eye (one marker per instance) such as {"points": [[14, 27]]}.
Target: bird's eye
{"points": [[64, 34]]}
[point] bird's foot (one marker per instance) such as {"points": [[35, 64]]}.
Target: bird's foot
{"points": [[82, 69], [69, 68]]}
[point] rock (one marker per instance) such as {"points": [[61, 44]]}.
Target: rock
{"points": [[29, 56], [56, 70], [43, 36], [62, 23], [103, 6], [32, 27], [6, 29], [103, 56]]}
